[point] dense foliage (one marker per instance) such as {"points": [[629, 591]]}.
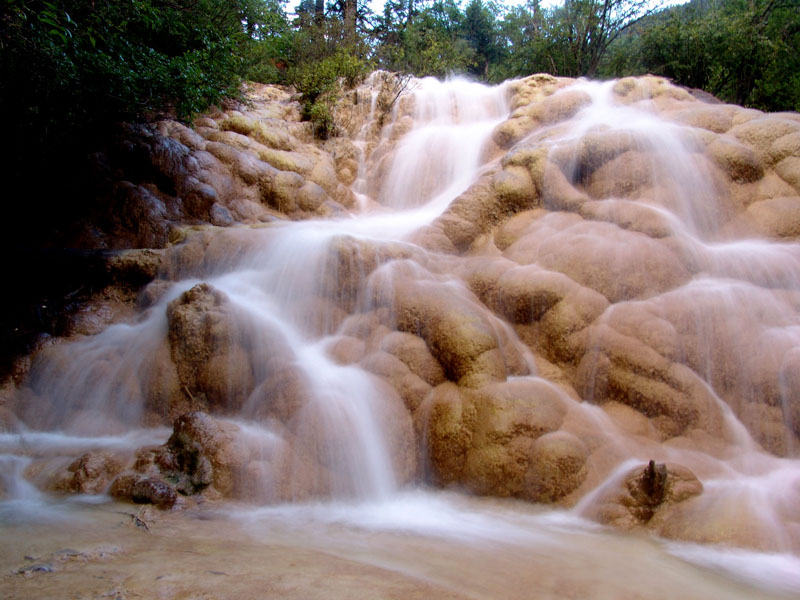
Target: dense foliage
{"points": [[744, 51], [72, 65], [68, 64]]}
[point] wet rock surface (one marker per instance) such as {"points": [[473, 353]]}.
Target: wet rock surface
{"points": [[91, 473], [153, 491]]}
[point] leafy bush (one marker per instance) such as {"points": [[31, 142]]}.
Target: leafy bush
{"points": [[741, 51], [320, 113], [70, 64], [312, 79], [319, 82]]}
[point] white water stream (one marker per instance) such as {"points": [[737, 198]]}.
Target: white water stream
{"points": [[97, 395]]}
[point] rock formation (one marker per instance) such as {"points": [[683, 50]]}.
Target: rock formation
{"points": [[610, 286]]}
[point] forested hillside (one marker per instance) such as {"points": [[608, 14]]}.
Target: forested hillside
{"points": [[70, 64], [745, 52]]}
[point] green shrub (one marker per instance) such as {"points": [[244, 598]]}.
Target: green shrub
{"points": [[320, 114], [319, 83]]}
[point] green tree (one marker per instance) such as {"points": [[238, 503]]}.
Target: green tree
{"points": [[581, 31], [743, 51], [388, 33], [70, 64], [434, 44], [269, 44], [423, 40], [71, 69], [528, 46], [480, 31], [326, 54]]}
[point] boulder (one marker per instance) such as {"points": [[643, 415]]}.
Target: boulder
{"points": [[515, 227], [122, 487], [624, 176], [414, 352], [776, 217], [145, 483], [458, 333], [509, 418], [153, 491], [561, 106], [526, 294], [783, 147], [204, 340], [347, 350], [629, 214], [138, 218], [91, 473], [669, 357], [484, 439], [717, 119], [165, 396], [556, 468], [447, 420], [274, 136], [282, 394], [203, 452], [761, 134], [411, 388], [789, 171], [643, 493], [620, 368], [592, 151], [471, 214], [513, 189], [350, 261], [737, 161], [617, 263], [650, 88], [725, 517]]}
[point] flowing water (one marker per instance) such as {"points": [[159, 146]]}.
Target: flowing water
{"points": [[97, 397]]}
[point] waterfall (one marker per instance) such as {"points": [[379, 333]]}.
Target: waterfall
{"points": [[536, 291], [341, 424]]}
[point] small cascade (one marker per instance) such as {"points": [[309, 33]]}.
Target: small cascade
{"points": [[15, 486], [440, 156], [647, 152], [362, 142]]}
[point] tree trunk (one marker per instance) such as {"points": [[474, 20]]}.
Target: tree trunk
{"points": [[350, 21], [319, 11]]}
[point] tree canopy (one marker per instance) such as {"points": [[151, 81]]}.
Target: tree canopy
{"points": [[73, 65]]}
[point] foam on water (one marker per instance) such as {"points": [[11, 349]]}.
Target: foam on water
{"points": [[773, 572], [512, 531]]}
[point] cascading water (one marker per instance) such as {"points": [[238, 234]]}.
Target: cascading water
{"points": [[742, 295], [665, 155], [440, 156], [278, 327], [100, 384]]}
